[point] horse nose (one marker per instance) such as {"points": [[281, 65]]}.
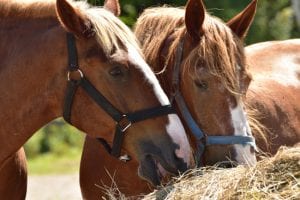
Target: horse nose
{"points": [[244, 155], [171, 162], [180, 164], [178, 135]]}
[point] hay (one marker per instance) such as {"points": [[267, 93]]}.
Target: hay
{"points": [[277, 177], [272, 178]]}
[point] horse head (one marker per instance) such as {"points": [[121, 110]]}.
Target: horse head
{"points": [[205, 74], [118, 92]]}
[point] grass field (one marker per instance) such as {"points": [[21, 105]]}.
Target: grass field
{"points": [[51, 163]]}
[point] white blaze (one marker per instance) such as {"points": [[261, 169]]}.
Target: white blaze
{"points": [[174, 128], [241, 128], [177, 133], [137, 59]]}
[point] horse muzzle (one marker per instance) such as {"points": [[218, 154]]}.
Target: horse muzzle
{"points": [[157, 164]]}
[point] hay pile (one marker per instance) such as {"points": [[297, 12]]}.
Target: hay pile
{"points": [[277, 177], [272, 178]]}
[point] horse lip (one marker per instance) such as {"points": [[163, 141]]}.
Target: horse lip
{"points": [[149, 171], [164, 165], [153, 168]]}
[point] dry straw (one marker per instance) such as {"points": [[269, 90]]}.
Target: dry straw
{"points": [[277, 177]]}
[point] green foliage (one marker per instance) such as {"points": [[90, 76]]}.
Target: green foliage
{"points": [[57, 137], [274, 18], [273, 21]]}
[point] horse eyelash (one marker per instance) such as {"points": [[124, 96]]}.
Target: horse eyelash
{"points": [[202, 85]]}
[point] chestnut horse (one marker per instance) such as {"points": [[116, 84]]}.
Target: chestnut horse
{"points": [[275, 91], [90, 70], [209, 57]]}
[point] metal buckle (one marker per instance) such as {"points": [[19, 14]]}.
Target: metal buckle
{"points": [[77, 70], [125, 158], [124, 123]]}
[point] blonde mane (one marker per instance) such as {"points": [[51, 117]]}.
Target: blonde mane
{"points": [[111, 33], [218, 50], [152, 29]]}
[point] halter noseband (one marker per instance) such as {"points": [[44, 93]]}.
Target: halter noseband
{"points": [[202, 139], [123, 121]]}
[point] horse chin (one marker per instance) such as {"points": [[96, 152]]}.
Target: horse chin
{"points": [[151, 170]]}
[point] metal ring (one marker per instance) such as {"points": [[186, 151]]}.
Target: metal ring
{"points": [[124, 123], [77, 70]]}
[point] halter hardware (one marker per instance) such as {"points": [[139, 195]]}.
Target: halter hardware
{"points": [[202, 139], [77, 70], [123, 121]]}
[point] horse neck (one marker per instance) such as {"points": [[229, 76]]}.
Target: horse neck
{"points": [[32, 78]]}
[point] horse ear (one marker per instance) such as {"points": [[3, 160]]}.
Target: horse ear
{"points": [[113, 6], [72, 20], [240, 24], [194, 18]]}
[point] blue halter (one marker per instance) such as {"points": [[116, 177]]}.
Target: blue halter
{"points": [[202, 140]]}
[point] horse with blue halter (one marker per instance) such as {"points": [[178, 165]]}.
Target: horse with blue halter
{"points": [[200, 64], [67, 59]]}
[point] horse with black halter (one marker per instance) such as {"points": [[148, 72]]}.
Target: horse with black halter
{"points": [[67, 59]]}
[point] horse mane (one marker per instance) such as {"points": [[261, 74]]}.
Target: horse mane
{"points": [[218, 50], [152, 29], [111, 33]]}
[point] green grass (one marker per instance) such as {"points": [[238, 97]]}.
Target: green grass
{"points": [[53, 163]]}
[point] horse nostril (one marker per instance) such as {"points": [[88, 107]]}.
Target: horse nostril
{"points": [[181, 165]]}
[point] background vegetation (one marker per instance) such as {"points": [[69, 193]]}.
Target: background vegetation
{"points": [[59, 144], [275, 19]]}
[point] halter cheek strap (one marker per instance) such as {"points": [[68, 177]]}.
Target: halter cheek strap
{"points": [[202, 140], [123, 121]]}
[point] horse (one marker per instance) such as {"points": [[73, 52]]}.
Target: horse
{"points": [[68, 59], [275, 91], [209, 57], [13, 176]]}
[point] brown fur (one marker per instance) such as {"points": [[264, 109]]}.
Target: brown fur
{"points": [[162, 22], [241, 27], [100, 173], [216, 56], [13, 177], [27, 9], [273, 65], [219, 51], [33, 68]]}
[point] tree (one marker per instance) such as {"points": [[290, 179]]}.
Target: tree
{"points": [[274, 19]]}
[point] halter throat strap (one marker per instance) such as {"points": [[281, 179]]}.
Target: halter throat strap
{"points": [[123, 121]]}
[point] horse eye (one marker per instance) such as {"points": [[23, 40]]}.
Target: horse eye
{"points": [[116, 71], [203, 85]]}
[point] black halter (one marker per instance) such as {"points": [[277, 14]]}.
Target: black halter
{"points": [[123, 121], [202, 139]]}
